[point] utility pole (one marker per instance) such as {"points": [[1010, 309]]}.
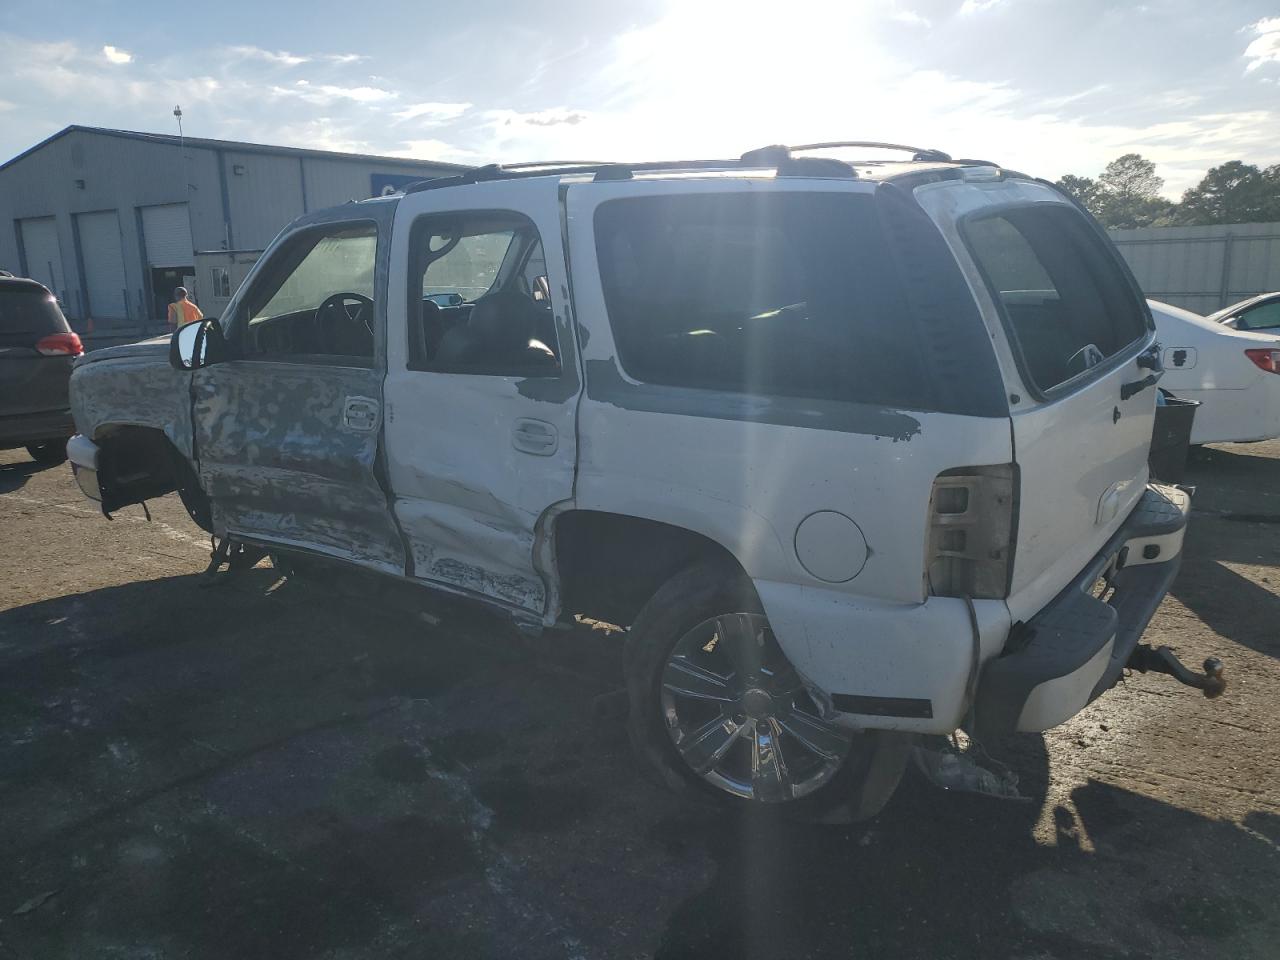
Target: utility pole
{"points": [[186, 187]]}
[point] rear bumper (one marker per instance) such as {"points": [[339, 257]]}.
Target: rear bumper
{"points": [[83, 454], [1075, 649], [18, 431]]}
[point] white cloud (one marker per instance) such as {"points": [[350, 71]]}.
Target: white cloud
{"points": [[116, 55], [911, 18], [1265, 47], [432, 112], [327, 93], [432, 149], [345, 58], [555, 117], [970, 7], [281, 58]]}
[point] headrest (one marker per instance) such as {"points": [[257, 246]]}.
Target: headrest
{"points": [[507, 319]]}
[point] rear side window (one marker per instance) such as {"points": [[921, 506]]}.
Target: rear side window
{"points": [[779, 294], [27, 314], [1066, 303], [1263, 317]]}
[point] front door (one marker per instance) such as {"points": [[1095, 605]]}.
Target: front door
{"points": [[481, 389], [287, 433]]}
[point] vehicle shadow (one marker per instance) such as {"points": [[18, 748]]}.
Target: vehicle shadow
{"points": [[1235, 521], [947, 877], [13, 476], [1236, 480], [265, 769]]}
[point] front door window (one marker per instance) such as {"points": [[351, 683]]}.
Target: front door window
{"points": [[316, 298]]}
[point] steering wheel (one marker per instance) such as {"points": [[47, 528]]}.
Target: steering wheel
{"points": [[339, 301]]}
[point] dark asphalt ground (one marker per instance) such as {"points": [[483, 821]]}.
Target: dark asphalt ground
{"points": [[267, 769]]}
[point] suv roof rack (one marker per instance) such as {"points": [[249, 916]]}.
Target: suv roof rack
{"points": [[777, 156], [922, 154]]}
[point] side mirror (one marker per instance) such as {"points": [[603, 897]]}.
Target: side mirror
{"points": [[196, 344]]}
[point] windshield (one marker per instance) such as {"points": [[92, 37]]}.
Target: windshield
{"points": [[338, 263]]}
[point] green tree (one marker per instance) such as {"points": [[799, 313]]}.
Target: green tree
{"points": [[1129, 189], [1125, 194], [1234, 192], [1084, 189]]}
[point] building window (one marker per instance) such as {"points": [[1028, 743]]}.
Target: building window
{"points": [[221, 277]]}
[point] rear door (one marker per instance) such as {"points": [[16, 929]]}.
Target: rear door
{"points": [[481, 394], [1074, 327]]}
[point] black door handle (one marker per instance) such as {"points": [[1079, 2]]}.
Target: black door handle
{"points": [[1148, 359], [1135, 387]]}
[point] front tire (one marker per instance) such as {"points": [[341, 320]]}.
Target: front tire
{"points": [[48, 451], [717, 710]]}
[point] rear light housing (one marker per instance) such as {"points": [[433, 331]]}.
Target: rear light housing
{"points": [[972, 520], [1266, 359], [60, 345]]}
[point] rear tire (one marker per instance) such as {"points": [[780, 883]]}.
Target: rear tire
{"points": [[48, 451], [820, 772]]}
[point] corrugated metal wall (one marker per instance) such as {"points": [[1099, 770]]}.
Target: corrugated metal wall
{"points": [[1203, 268], [239, 200]]}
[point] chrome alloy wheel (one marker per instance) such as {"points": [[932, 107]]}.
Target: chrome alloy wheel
{"points": [[741, 718]]}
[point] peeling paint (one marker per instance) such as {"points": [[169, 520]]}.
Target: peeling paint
{"points": [[132, 385], [606, 384], [279, 463]]}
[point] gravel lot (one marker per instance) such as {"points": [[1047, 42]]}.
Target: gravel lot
{"points": [[268, 769]]}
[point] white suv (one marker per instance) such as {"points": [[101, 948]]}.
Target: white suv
{"points": [[857, 450]]}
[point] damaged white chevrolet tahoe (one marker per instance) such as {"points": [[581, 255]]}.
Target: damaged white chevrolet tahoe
{"points": [[857, 450]]}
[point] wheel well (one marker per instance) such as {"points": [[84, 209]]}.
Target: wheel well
{"points": [[140, 463], [610, 564]]}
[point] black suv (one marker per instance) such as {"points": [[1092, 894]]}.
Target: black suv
{"points": [[37, 348]]}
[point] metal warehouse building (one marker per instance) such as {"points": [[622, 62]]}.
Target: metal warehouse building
{"points": [[113, 220]]}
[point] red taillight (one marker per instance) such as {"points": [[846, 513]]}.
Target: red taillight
{"points": [[1268, 360], [60, 345]]}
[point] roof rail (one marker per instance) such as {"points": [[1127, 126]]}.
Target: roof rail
{"points": [[918, 153], [520, 171], [776, 156]]}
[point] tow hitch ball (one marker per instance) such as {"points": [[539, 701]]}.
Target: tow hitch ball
{"points": [[1163, 660]]}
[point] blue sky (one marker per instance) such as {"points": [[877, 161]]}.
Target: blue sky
{"points": [[1046, 87]]}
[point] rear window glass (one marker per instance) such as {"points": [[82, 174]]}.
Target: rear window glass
{"points": [[1066, 302], [29, 311], [782, 294]]}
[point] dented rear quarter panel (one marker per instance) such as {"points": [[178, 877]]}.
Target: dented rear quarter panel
{"points": [[132, 385]]}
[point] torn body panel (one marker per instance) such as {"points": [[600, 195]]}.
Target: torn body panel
{"points": [[133, 414], [132, 385]]}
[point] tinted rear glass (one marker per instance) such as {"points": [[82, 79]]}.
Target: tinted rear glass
{"points": [[27, 314], [1066, 302], [781, 294]]}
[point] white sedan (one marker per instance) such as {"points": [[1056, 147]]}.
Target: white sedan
{"points": [[1235, 375]]}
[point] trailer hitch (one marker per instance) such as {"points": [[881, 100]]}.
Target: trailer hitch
{"points": [[1163, 660]]}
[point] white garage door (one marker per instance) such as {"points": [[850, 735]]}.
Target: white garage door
{"points": [[44, 256], [166, 230], [103, 264]]}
